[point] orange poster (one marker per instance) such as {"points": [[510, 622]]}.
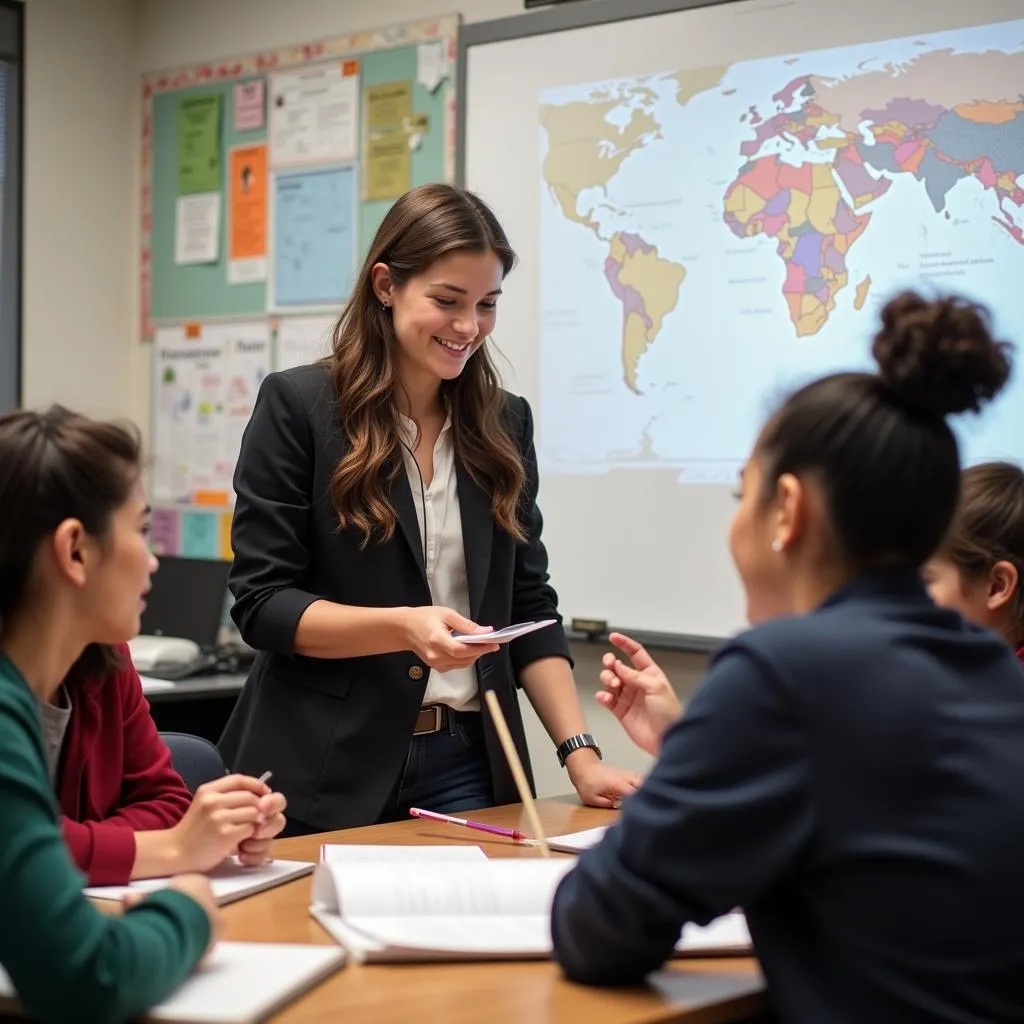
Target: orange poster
{"points": [[247, 214]]}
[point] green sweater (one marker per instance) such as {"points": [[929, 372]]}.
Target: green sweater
{"points": [[67, 961]]}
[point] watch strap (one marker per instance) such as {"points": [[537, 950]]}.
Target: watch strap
{"points": [[581, 741]]}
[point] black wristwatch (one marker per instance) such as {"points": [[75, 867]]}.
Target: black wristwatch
{"points": [[580, 741]]}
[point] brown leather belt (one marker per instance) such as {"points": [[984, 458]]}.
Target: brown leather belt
{"points": [[432, 718]]}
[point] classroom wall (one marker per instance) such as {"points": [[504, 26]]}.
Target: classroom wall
{"points": [[80, 207], [83, 64]]}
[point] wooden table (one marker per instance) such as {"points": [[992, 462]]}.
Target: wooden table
{"points": [[694, 991]]}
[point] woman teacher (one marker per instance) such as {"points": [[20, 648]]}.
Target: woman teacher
{"points": [[386, 499]]}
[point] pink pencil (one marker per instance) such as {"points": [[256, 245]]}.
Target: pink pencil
{"points": [[510, 833]]}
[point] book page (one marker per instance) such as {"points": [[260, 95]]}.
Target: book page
{"points": [[512, 935], [409, 889], [343, 853], [724, 934]]}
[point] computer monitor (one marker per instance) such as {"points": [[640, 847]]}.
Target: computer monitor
{"points": [[187, 600]]}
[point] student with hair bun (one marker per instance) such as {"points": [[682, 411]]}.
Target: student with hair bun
{"points": [[849, 772], [978, 569]]}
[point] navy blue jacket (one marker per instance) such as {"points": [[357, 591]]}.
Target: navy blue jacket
{"points": [[854, 780]]}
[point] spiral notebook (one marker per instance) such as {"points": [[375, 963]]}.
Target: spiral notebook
{"points": [[238, 983]]}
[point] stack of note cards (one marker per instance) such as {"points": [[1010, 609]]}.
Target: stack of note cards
{"points": [[393, 904], [230, 881], [238, 983]]}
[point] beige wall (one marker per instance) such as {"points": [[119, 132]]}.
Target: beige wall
{"points": [[81, 116], [83, 64]]}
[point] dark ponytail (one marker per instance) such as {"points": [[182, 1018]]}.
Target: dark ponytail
{"points": [[879, 444]]}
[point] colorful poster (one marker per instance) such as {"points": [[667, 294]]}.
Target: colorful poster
{"points": [[205, 383], [388, 165], [165, 531], [199, 143], [314, 114], [247, 214], [200, 535], [250, 105], [314, 238]]}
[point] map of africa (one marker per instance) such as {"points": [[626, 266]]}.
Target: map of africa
{"points": [[742, 224]]}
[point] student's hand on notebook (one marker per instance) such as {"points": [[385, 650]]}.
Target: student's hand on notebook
{"points": [[223, 814], [428, 632], [640, 697], [255, 851], [198, 887]]}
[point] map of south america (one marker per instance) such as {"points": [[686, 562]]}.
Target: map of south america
{"points": [[585, 152]]}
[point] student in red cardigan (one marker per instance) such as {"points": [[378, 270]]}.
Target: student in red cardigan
{"points": [[126, 812], [979, 567]]}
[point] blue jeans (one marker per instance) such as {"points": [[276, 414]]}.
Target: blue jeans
{"points": [[445, 771]]}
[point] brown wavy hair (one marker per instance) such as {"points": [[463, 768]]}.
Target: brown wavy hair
{"points": [[425, 224]]}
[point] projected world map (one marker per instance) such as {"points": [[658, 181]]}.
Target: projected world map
{"points": [[711, 237]]}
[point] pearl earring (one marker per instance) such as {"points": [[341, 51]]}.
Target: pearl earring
{"points": [[777, 545], [383, 305]]}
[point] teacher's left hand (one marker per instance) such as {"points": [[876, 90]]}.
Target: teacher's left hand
{"points": [[599, 784]]}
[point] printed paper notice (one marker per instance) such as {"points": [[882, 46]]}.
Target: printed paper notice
{"points": [[388, 105], [204, 387], [302, 340], [388, 165], [314, 114], [249, 105], [247, 215], [199, 143], [197, 228], [314, 237], [431, 66]]}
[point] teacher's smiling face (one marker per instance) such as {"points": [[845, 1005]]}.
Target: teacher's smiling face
{"points": [[442, 316]]}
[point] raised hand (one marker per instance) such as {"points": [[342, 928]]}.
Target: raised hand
{"points": [[640, 696]]}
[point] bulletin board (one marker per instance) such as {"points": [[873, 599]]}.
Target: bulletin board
{"points": [[264, 179]]}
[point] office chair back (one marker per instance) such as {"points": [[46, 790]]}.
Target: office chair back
{"points": [[195, 759]]}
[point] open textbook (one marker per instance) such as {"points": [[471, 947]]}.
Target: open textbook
{"points": [[230, 881], [496, 909], [238, 983]]}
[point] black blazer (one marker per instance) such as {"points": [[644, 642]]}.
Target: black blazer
{"points": [[336, 732], [854, 779]]}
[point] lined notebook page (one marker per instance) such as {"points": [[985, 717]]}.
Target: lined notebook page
{"points": [[343, 853], [238, 983], [230, 881]]}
